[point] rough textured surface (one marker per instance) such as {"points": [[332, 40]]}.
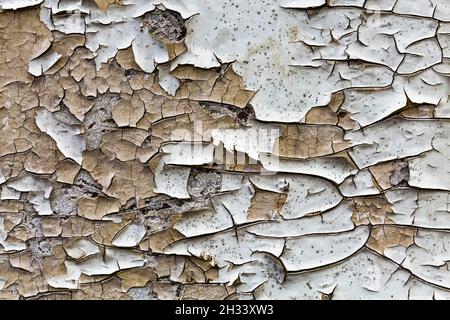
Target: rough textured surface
{"points": [[224, 149]]}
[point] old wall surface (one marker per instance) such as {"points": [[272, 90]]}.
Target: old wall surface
{"points": [[224, 149]]}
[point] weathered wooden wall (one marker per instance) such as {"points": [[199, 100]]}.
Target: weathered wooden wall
{"points": [[168, 149]]}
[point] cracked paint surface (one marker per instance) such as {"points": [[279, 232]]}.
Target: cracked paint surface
{"points": [[224, 149]]}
